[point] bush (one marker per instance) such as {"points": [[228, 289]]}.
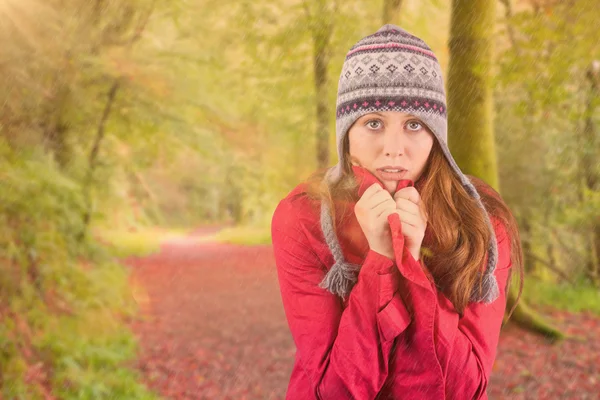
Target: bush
{"points": [[64, 302]]}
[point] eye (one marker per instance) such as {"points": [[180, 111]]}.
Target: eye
{"points": [[414, 125], [374, 124]]}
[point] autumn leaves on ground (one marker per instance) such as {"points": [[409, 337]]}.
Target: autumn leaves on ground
{"points": [[211, 326]]}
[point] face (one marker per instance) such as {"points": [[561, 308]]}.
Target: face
{"points": [[391, 145]]}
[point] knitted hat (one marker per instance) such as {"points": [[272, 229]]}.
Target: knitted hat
{"points": [[393, 70]]}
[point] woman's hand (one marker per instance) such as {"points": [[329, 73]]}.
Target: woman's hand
{"points": [[412, 215], [372, 210]]}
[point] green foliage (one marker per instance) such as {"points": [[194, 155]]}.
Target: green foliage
{"points": [[138, 243], [585, 216], [579, 298], [540, 98], [39, 213], [248, 236], [63, 301], [88, 355]]}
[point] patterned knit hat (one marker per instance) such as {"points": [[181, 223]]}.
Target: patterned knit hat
{"points": [[393, 70]]}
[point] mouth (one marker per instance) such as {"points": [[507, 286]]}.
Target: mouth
{"points": [[391, 173]]}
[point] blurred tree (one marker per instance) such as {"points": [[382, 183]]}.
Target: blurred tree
{"points": [[391, 11], [469, 88], [525, 215], [470, 111], [320, 23], [541, 123], [589, 165], [93, 156]]}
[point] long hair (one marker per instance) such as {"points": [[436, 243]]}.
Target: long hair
{"points": [[457, 233]]}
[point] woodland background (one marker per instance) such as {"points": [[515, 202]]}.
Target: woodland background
{"points": [[127, 122]]}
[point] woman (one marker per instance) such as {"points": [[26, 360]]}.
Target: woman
{"points": [[393, 265]]}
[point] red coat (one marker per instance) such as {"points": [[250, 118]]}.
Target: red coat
{"points": [[396, 336]]}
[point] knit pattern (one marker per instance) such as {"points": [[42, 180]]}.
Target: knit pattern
{"points": [[342, 276]]}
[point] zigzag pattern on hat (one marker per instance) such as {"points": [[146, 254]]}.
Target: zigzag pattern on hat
{"points": [[378, 103]]}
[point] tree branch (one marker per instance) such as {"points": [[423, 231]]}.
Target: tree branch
{"points": [[93, 157], [142, 26], [509, 27], [566, 248], [551, 267], [308, 16]]}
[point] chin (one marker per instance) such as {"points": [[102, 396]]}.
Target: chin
{"points": [[390, 186]]}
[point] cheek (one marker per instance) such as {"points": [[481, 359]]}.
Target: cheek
{"points": [[424, 147], [361, 145]]}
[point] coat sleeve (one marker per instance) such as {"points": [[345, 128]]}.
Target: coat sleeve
{"points": [[465, 346], [344, 353]]}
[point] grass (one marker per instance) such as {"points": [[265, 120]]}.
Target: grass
{"points": [[90, 353], [144, 241], [141, 242], [244, 235], [88, 350], [562, 296]]}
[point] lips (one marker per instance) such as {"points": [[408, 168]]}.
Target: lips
{"points": [[398, 167], [391, 176]]}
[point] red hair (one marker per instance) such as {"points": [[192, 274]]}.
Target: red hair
{"points": [[458, 235]]}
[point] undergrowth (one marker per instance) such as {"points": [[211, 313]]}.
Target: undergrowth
{"points": [[64, 302]]}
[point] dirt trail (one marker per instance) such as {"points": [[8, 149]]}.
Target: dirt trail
{"points": [[213, 327]]}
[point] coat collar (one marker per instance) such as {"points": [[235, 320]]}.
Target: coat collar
{"points": [[350, 235], [366, 178]]}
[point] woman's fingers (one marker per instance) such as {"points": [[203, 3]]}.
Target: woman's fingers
{"points": [[380, 204], [408, 193], [409, 218], [408, 206], [410, 227], [412, 231], [387, 205], [377, 199], [372, 191]]}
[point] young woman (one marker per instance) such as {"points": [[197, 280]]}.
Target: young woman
{"points": [[393, 265]]}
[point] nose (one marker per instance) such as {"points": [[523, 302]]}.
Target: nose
{"points": [[393, 143]]}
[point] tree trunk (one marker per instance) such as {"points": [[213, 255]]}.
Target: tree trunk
{"points": [[589, 166], [93, 157], [233, 204], [391, 11], [470, 109], [528, 319], [55, 138], [321, 22], [550, 256], [528, 262], [56, 127], [470, 90]]}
